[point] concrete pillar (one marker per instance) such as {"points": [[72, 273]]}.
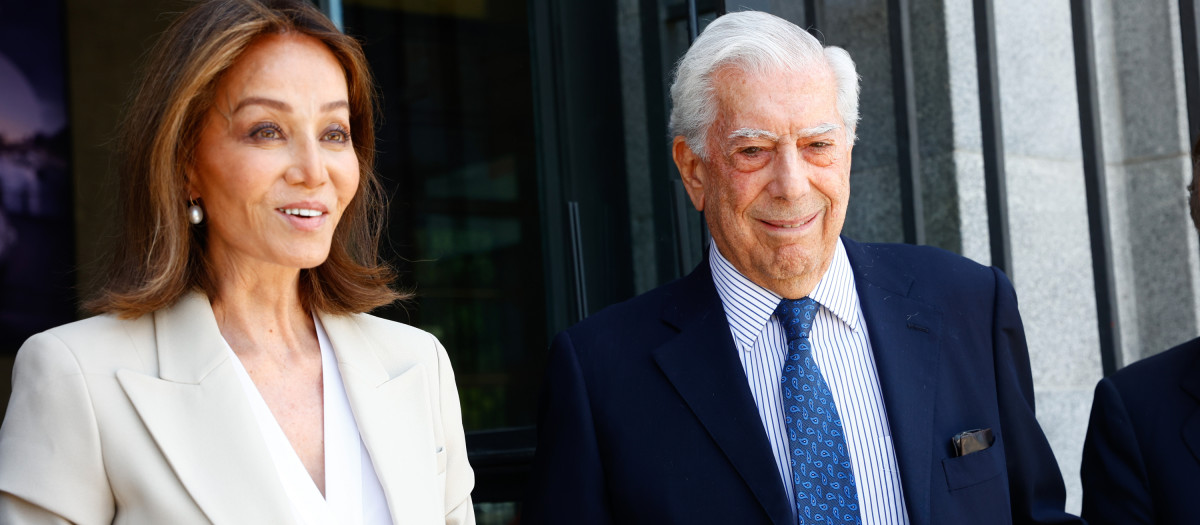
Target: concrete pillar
{"points": [[1144, 112]]}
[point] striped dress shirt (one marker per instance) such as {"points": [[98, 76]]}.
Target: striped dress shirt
{"points": [[842, 350]]}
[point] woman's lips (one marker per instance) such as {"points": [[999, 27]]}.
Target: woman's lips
{"points": [[306, 216]]}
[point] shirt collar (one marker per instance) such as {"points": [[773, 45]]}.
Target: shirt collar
{"points": [[749, 306], [836, 291]]}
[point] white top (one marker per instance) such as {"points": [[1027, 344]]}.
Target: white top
{"points": [[842, 349], [353, 493]]}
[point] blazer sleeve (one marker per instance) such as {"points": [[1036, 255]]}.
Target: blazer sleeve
{"points": [[460, 479], [51, 465], [567, 485], [1035, 481], [1114, 477]]}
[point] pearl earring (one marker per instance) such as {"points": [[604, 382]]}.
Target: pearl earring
{"points": [[195, 213]]}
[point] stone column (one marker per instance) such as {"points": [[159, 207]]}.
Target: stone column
{"points": [[1144, 113]]}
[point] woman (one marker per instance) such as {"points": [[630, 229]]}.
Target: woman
{"points": [[233, 377]]}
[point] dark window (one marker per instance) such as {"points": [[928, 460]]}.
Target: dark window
{"points": [[457, 157]]}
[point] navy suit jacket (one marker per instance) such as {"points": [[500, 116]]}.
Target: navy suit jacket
{"points": [[1141, 458], [647, 417]]}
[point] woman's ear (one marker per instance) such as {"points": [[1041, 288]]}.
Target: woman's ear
{"points": [[190, 185]]}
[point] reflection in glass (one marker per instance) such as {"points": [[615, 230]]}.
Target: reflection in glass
{"points": [[456, 155], [497, 513]]}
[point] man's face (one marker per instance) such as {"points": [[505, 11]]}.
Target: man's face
{"points": [[776, 181]]}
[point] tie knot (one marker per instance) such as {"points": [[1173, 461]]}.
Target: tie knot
{"points": [[797, 315]]}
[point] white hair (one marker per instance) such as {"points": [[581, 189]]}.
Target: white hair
{"points": [[756, 43]]}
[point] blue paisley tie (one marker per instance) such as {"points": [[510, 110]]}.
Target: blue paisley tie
{"points": [[821, 473]]}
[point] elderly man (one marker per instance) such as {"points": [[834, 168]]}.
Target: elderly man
{"points": [[795, 375], [1141, 457]]}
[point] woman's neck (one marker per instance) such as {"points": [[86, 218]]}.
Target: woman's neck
{"points": [[261, 311]]}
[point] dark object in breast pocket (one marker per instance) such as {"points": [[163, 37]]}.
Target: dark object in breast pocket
{"points": [[973, 469]]}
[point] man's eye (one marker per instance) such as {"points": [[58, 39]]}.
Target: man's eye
{"points": [[750, 158], [820, 145]]}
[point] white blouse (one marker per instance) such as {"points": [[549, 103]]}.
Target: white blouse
{"points": [[353, 493]]}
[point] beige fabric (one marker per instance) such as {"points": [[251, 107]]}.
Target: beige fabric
{"points": [[143, 421]]}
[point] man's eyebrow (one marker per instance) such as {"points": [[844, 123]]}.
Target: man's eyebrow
{"points": [[820, 129], [753, 133]]}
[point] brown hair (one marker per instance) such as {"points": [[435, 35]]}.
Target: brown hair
{"points": [[159, 256]]}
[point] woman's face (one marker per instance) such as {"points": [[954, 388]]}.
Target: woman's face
{"points": [[275, 167]]}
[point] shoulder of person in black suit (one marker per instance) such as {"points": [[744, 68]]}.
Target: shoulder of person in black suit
{"points": [[1141, 457]]}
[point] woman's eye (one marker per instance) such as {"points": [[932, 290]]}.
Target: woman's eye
{"points": [[337, 135], [267, 133]]}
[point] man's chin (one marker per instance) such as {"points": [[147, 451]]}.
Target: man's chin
{"points": [[793, 271], [787, 276]]}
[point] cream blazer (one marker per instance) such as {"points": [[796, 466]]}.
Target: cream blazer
{"points": [[144, 421]]}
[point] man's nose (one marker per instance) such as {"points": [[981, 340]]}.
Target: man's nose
{"points": [[308, 166], [792, 176]]}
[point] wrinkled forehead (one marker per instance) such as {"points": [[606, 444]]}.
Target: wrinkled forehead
{"points": [[779, 101], [282, 65]]}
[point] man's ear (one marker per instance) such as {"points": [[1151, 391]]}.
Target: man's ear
{"points": [[692, 171]]}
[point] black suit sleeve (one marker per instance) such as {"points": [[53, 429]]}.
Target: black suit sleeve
{"points": [[1035, 481], [1113, 474], [567, 484]]}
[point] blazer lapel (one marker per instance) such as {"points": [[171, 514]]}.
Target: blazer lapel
{"points": [[702, 364], [198, 415], [393, 415], [1191, 426], [905, 340]]}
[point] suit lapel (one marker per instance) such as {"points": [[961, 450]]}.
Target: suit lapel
{"points": [[1191, 426], [198, 415], [904, 337], [393, 415], [702, 364]]}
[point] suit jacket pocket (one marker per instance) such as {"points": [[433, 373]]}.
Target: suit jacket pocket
{"points": [[441, 460], [974, 468]]}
